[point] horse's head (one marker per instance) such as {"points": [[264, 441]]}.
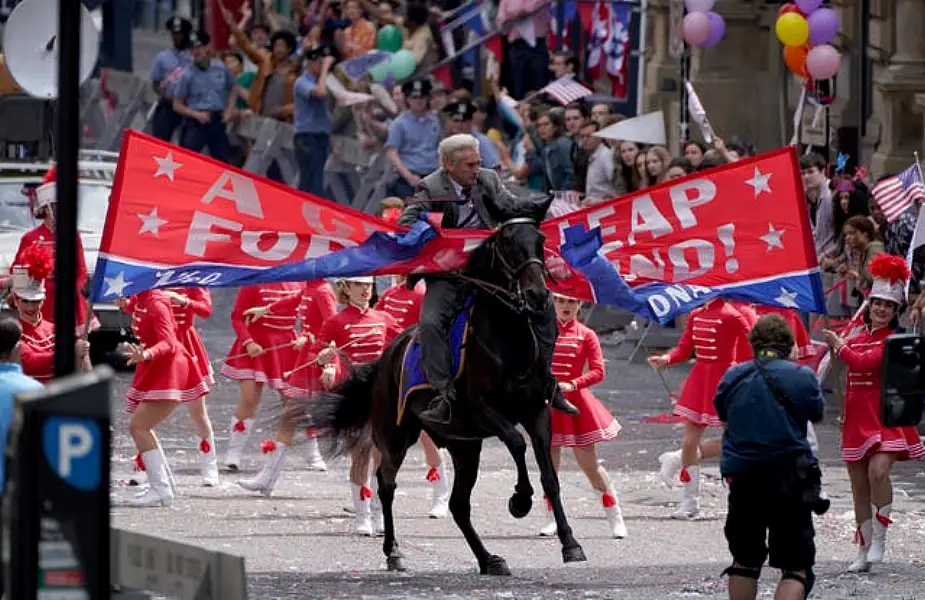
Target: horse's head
{"points": [[513, 259]]}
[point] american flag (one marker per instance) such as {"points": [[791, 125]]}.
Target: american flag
{"points": [[897, 194], [566, 90]]}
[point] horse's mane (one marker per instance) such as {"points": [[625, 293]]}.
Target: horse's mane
{"points": [[480, 261]]}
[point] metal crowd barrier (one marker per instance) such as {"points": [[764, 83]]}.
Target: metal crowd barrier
{"points": [[354, 176]]}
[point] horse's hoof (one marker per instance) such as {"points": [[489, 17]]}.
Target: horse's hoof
{"points": [[573, 554], [519, 505], [394, 563], [496, 566]]}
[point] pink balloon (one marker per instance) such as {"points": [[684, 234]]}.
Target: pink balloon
{"points": [[823, 62], [696, 28]]}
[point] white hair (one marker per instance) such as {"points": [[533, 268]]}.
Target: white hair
{"points": [[453, 144]]}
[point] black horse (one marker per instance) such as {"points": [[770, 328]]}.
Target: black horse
{"points": [[501, 385]]}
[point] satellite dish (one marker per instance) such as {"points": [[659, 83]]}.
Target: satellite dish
{"points": [[30, 44]]}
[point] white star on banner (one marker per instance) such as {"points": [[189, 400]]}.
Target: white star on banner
{"points": [[166, 166], [115, 285], [787, 298], [151, 223], [759, 182], [772, 238]]}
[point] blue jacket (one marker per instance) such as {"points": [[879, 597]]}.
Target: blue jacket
{"points": [[12, 382], [554, 162], [759, 430]]}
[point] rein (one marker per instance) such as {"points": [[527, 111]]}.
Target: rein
{"points": [[510, 298]]}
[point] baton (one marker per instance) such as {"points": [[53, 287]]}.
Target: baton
{"points": [[314, 361], [247, 355]]}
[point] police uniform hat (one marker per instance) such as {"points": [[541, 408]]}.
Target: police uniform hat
{"points": [[179, 25], [200, 38], [459, 111], [319, 52], [286, 36], [417, 88]]}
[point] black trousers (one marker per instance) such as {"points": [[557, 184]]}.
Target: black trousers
{"points": [[443, 301], [769, 516]]}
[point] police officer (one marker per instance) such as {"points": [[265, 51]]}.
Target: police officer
{"points": [[312, 119], [459, 120], [167, 67], [413, 139], [203, 96]]}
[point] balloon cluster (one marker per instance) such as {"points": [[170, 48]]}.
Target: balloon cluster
{"points": [[701, 26], [806, 30], [400, 64]]}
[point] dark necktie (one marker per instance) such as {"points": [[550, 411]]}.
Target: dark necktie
{"points": [[468, 215]]}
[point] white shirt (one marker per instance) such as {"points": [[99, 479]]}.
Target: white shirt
{"points": [[599, 181]]}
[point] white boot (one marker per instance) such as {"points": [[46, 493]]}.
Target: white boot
{"points": [[862, 537], [614, 513], [690, 502], [362, 496], [881, 521], [670, 467], [315, 461], [439, 492], [266, 479], [208, 462], [170, 477], [159, 492], [240, 431], [550, 529], [375, 504]]}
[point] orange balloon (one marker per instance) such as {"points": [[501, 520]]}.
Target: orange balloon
{"points": [[795, 59]]}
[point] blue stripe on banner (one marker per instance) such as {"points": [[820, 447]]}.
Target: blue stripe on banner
{"points": [[117, 278], [662, 302]]}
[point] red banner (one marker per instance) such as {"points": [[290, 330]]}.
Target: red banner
{"points": [[742, 222]]}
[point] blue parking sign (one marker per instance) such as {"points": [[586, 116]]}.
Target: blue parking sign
{"points": [[72, 449]]}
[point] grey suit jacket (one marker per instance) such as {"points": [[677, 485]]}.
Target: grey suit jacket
{"points": [[435, 193]]}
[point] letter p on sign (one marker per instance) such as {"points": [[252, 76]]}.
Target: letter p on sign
{"points": [[72, 449]]}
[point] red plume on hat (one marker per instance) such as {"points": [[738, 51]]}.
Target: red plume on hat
{"points": [[391, 215], [890, 267], [51, 175], [38, 260]]}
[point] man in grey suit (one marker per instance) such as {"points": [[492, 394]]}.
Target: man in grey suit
{"points": [[469, 198]]}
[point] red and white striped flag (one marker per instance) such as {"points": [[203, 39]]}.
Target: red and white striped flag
{"points": [[566, 90], [897, 194]]}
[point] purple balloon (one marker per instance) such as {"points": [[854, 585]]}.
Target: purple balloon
{"points": [[823, 26], [699, 5], [717, 30], [808, 6]]}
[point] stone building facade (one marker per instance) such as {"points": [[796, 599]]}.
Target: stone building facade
{"points": [[878, 115]]}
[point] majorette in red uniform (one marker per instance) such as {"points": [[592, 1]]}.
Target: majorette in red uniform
{"points": [[868, 446], [187, 304], [315, 304], [37, 345], [718, 333], [577, 347], [403, 304], [42, 208], [362, 333], [264, 350], [405, 307], [166, 375]]}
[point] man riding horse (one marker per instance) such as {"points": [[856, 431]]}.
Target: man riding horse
{"points": [[469, 198]]}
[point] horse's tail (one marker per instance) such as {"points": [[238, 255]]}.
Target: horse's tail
{"points": [[342, 415]]}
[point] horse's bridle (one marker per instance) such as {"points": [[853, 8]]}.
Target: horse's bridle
{"points": [[513, 298]]}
